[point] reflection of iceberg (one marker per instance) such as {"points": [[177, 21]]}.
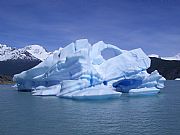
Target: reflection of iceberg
{"points": [[80, 71]]}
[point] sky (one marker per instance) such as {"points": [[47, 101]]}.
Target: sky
{"points": [[153, 25]]}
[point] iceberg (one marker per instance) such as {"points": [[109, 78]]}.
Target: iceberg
{"points": [[80, 71]]}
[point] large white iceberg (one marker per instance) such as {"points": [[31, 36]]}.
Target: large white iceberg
{"points": [[80, 71]]}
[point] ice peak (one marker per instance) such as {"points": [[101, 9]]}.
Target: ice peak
{"points": [[81, 41]]}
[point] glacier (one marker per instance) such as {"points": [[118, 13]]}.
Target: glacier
{"points": [[80, 71]]}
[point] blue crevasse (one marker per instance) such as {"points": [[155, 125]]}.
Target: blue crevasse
{"points": [[79, 71]]}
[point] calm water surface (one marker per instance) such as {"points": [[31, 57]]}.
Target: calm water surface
{"points": [[23, 114]]}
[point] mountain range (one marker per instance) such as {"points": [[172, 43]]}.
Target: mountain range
{"points": [[31, 52], [13, 60]]}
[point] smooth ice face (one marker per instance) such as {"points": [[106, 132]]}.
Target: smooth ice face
{"points": [[80, 71], [123, 65], [47, 91], [94, 92]]}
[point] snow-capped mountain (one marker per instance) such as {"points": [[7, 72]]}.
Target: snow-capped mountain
{"points": [[154, 55], [31, 52], [176, 57], [37, 51]]}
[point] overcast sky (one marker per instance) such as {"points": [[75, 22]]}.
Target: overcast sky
{"points": [[153, 25]]}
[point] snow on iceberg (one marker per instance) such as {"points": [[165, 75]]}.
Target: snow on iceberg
{"points": [[80, 71]]}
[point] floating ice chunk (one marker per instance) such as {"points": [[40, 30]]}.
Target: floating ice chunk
{"points": [[80, 71], [143, 91]]}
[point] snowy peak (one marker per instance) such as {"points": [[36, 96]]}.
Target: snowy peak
{"points": [[37, 51], [31, 52], [7, 53], [4, 49], [154, 55], [176, 57]]}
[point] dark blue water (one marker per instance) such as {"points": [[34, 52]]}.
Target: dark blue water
{"points": [[23, 114]]}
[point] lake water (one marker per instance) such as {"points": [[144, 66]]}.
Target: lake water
{"points": [[24, 114]]}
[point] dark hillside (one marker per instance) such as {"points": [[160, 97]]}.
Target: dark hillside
{"points": [[170, 69]]}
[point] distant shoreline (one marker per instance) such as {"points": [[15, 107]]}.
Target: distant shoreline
{"points": [[5, 83], [5, 79]]}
